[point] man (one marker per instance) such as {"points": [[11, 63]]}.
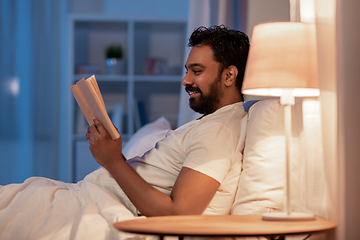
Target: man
{"points": [[195, 169]]}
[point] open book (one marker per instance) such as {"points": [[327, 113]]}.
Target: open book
{"points": [[87, 95]]}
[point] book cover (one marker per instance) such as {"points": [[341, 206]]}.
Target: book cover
{"points": [[88, 96]]}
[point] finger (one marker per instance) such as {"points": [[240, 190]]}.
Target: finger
{"points": [[100, 128], [93, 134], [87, 135], [93, 130]]}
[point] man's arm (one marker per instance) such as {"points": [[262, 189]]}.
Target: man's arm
{"points": [[191, 194]]}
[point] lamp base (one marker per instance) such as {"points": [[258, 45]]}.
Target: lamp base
{"points": [[283, 216]]}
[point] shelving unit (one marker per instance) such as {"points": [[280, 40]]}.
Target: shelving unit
{"points": [[148, 87]]}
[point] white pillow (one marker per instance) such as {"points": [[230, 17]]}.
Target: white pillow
{"points": [[146, 137], [261, 185]]}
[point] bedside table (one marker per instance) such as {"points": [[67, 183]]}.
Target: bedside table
{"points": [[221, 226]]}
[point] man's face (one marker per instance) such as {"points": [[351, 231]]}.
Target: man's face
{"points": [[203, 80]]}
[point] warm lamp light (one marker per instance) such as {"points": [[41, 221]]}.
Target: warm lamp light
{"points": [[282, 56], [282, 62]]}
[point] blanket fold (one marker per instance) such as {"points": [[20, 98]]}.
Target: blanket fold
{"points": [[41, 208]]}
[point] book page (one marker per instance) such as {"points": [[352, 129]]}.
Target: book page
{"points": [[92, 105], [81, 101], [93, 82]]}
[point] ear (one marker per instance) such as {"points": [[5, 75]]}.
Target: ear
{"points": [[230, 75]]}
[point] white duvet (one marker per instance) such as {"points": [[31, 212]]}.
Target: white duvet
{"points": [[42, 208]]}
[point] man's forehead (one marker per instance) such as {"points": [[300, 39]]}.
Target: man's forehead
{"points": [[200, 56]]}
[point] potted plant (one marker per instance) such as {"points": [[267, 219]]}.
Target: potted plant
{"points": [[114, 51], [115, 64]]}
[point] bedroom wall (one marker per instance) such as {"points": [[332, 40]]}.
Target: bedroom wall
{"points": [[262, 11]]}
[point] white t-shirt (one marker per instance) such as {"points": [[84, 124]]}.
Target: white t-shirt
{"points": [[212, 145]]}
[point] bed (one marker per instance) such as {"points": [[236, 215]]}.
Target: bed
{"points": [[88, 209]]}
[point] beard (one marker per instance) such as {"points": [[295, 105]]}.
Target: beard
{"points": [[206, 104]]}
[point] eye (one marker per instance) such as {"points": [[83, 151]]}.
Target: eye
{"points": [[196, 72]]}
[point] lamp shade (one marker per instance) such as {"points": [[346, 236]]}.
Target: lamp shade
{"points": [[282, 56]]}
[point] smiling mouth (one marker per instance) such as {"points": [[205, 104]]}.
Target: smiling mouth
{"points": [[192, 91]]}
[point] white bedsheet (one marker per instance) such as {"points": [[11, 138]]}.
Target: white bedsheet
{"points": [[42, 208]]}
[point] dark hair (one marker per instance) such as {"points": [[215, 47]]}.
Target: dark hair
{"points": [[230, 47]]}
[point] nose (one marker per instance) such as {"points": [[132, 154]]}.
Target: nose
{"points": [[187, 80]]}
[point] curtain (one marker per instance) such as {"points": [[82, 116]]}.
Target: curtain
{"points": [[30, 73], [326, 39], [15, 122]]}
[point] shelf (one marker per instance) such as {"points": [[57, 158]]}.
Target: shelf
{"points": [[102, 77], [81, 137], [158, 78], [147, 84], [125, 78]]}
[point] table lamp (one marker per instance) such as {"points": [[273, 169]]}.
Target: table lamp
{"points": [[282, 62]]}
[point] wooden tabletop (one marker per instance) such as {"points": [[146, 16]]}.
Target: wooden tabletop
{"points": [[224, 226]]}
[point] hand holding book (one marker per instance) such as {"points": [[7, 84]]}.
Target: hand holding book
{"points": [[87, 95]]}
